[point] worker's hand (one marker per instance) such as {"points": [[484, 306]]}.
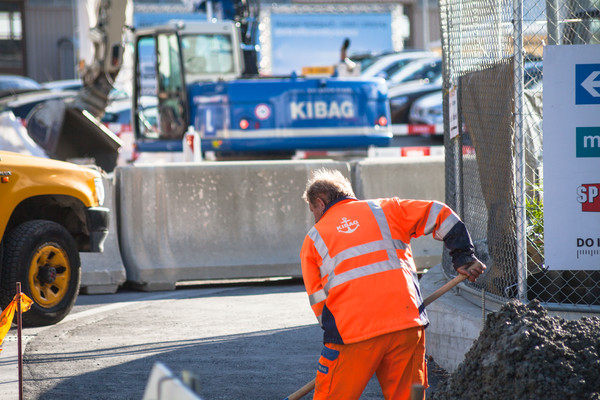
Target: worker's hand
{"points": [[472, 270]]}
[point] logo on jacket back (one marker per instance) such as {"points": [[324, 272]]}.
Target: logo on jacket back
{"points": [[347, 226]]}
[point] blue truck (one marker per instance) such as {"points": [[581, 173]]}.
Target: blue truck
{"points": [[202, 74]]}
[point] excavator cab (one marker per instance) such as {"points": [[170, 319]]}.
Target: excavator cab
{"points": [[170, 62]]}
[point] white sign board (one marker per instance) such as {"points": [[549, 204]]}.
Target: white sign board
{"points": [[452, 99], [572, 157]]}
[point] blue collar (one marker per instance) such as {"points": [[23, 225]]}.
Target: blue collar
{"points": [[339, 199]]}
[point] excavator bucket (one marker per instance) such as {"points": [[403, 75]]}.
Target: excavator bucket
{"points": [[69, 129], [68, 133]]}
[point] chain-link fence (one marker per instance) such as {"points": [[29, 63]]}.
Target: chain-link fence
{"points": [[493, 57]]}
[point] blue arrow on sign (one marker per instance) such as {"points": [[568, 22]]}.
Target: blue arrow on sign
{"points": [[587, 83]]}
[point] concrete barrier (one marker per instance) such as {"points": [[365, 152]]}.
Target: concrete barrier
{"points": [[419, 178], [104, 272], [182, 222]]}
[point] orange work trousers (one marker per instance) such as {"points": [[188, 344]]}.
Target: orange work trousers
{"points": [[398, 359]]}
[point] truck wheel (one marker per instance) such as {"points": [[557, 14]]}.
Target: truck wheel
{"points": [[43, 256]]}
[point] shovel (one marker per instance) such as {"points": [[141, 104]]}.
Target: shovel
{"points": [[298, 394]]}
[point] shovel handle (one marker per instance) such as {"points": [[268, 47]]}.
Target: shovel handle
{"points": [[443, 289], [304, 390]]}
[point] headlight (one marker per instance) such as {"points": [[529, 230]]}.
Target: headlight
{"points": [[99, 185], [436, 115], [437, 110], [415, 112]]}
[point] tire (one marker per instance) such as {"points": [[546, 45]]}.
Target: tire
{"points": [[43, 256]]}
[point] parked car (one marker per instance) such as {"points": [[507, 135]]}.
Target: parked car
{"points": [[119, 111], [76, 84], [427, 110], [404, 95], [21, 104], [424, 69], [117, 118], [368, 58], [12, 84], [385, 66], [533, 73], [65, 84]]}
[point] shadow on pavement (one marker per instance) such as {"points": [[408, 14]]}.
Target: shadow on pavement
{"points": [[266, 365]]}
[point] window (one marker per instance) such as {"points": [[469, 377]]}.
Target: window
{"points": [[160, 98], [11, 39], [207, 55]]}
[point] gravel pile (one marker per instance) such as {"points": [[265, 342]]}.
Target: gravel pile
{"points": [[523, 353]]}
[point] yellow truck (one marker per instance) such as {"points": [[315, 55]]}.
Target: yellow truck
{"points": [[50, 211]]}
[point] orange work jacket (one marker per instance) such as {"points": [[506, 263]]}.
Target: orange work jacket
{"points": [[358, 268]]}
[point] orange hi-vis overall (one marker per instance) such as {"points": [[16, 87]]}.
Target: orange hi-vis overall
{"points": [[362, 282]]}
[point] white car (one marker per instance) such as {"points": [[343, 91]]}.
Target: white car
{"points": [[427, 110], [387, 65], [425, 70]]}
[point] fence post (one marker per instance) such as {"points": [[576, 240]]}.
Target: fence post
{"points": [[521, 219], [552, 18]]}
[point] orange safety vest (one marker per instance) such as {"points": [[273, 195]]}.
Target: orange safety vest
{"points": [[358, 267]]}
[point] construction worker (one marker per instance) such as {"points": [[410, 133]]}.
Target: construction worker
{"points": [[362, 284]]}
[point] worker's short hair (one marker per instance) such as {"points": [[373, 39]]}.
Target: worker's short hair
{"points": [[328, 185]]}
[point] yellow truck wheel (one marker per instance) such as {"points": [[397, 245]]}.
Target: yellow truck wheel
{"points": [[43, 256]]}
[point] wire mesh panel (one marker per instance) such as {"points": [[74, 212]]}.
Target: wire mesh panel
{"points": [[493, 60]]}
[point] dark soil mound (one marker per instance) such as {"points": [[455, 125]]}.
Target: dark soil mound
{"points": [[522, 353]]}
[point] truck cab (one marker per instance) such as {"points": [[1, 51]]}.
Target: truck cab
{"points": [[51, 211]]}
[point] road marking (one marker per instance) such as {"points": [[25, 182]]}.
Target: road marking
{"points": [[159, 296]]}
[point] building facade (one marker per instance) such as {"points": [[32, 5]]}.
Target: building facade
{"points": [[38, 38]]}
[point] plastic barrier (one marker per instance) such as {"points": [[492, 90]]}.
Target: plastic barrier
{"points": [[417, 129], [407, 151], [104, 272], [164, 385], [409, 178], [213, 220]]}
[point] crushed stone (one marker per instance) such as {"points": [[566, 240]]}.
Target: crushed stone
{"points": [[523, 353]]}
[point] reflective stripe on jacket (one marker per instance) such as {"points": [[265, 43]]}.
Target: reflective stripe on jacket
{"points": [[358, 267]]}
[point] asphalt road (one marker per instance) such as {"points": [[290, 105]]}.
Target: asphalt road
{"points": [[243, 341]]}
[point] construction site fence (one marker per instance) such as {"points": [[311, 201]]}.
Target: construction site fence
{"points": [[493, 61]]}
